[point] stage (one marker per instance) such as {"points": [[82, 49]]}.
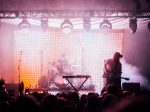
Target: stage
{"points": [[55, 90]]}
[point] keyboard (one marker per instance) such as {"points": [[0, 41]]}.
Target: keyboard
{"points": [[76, 76]]}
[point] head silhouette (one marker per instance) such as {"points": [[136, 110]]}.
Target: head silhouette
{"points": [[117, 56]]}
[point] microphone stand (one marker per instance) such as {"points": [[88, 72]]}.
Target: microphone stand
{"points": [[82, 55], [82, 60], [19, 65], [41, 58]]}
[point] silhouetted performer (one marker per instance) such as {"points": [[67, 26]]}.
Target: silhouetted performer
{"points": [[63, 63], [113, 70]]}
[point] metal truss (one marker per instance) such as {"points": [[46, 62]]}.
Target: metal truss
{"points": [[11, 14]]}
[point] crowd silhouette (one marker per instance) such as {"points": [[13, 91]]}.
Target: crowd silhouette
{"points": [[111, 99]]}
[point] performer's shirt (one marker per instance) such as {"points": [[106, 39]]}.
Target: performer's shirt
{"points": [[112, 69]]}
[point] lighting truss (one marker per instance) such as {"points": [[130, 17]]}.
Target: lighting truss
{"points": [[10, 14]]}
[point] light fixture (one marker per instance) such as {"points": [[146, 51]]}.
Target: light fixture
{"points": [[105, 25], [24, 25], [44, 24], [66, 26], [87, 24], [133, 24]]}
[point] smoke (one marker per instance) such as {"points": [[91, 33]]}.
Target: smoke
{"points": [[133, 73]]}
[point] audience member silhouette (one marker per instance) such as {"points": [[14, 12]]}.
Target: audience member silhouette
{"points": [[111, 100]]}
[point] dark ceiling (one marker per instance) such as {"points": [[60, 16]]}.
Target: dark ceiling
{"points": [[74, 4]]}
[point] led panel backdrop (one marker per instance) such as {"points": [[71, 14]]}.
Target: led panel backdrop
{"points": [[85, 52]]}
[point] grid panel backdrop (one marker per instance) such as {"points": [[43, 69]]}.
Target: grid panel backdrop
{"points": [[85, 52]]}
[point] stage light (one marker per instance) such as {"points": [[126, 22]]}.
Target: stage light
{"points": [[66, 26], [105, 25], [44, 24], [24, 25], [148, 26], [133, 24], [87, 24]]}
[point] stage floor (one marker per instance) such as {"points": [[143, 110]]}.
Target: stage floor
{"points": [[55, 90]]}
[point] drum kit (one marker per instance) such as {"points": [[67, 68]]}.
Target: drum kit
{"points": [[55, 76]]}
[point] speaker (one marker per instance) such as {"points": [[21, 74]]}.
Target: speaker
{"points": [[132, 87], [12, 88]]}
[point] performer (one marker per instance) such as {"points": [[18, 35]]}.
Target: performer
{"points": [[112, 70], [52, 72], [64, 68], [63, 61], [63, 65]]}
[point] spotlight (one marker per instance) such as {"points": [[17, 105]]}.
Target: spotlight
{"points": [[66, 26], [44, 24], [87, 24], [133, 24], [24, 25], [105, 25], [148, 26]]}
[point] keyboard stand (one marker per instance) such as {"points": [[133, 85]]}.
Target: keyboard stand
{"points": [[78, 76]]}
